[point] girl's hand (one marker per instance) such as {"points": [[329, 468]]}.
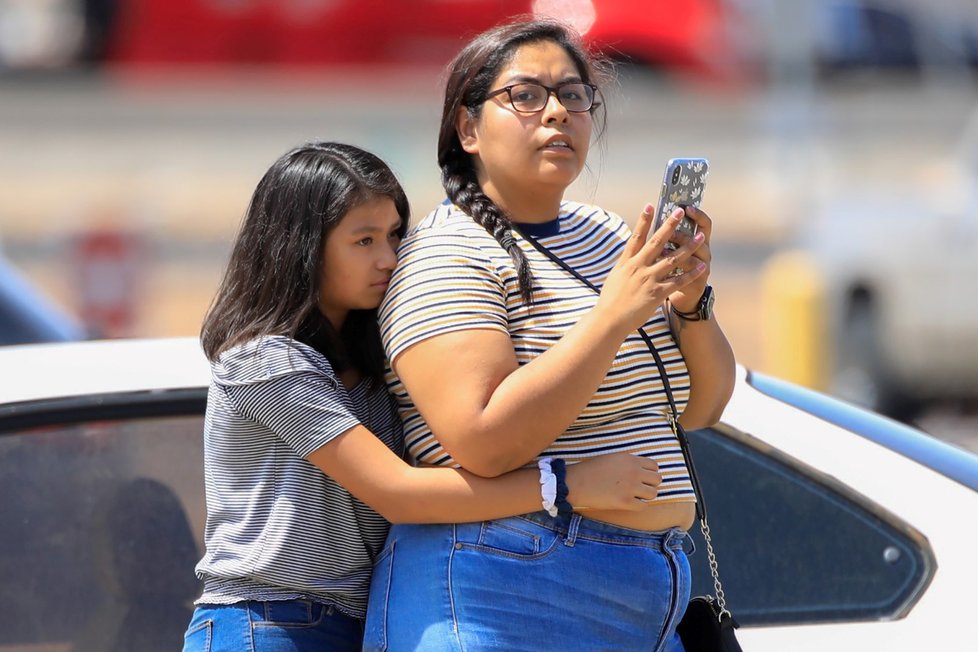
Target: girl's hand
{"points": [[619, 481], [686, 298], [643, 277]]}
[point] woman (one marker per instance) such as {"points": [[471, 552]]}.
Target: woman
{"points": [[539, 364], [301, 441]]}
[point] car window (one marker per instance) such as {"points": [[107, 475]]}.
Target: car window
{"points": [[103, 524], [794, 546]]}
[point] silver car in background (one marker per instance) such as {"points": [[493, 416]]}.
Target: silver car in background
{"points": [[884, 282]]}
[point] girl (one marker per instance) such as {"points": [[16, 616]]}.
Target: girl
{"points": [[302, 442], [540, 364]]}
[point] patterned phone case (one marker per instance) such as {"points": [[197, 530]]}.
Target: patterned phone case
{"points": [[682, 185]]}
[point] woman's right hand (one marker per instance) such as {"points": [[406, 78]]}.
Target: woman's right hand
{"points": [[646, 273], [618, 481]]}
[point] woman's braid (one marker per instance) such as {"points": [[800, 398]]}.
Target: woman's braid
{"points": [[464, 191]]}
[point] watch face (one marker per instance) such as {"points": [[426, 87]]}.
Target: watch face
{"points": [[706, 303]]}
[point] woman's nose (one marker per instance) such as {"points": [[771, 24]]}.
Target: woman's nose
{"points": [[553, 109]]}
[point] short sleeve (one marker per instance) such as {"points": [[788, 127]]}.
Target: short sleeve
{"points": [[304, 410], [287, 387], [444, 282]]}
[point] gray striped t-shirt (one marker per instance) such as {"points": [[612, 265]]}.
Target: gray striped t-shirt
{"points": [[277, 527]]}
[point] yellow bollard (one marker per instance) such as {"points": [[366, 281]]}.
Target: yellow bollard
{"points": [[796, 343]]}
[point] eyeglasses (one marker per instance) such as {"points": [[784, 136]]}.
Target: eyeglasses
{"points": [[527, 97]]}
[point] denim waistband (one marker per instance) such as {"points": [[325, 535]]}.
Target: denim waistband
{"points": [[574, 525]]}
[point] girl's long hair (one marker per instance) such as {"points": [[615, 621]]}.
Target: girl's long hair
{"points": [[470, 78], [273, 278]]}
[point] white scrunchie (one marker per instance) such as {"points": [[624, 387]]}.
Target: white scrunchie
{"points": [[548, 486]]}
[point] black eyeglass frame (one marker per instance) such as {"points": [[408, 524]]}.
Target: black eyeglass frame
{"points": [[551, 90]]}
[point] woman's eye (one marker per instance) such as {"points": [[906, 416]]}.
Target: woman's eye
{"points": [[570, 93], [365, 242], [524, 96]]}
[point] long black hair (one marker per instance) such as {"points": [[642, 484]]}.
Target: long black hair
{"points": [[470, 78], [272, 282]]}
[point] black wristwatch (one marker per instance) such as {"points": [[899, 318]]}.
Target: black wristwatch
{"points": [[704, 307]]}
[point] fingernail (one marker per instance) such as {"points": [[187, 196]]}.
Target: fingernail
{"points": [[648, 209], [699, 237], [700, 267]]}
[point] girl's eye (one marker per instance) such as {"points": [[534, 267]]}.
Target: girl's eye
{"points": [[366, 242]]}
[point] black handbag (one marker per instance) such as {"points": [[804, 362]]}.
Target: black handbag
{"points": [[707, 625]]}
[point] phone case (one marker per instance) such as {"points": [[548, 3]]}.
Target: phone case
{"points": [[682, 185]]}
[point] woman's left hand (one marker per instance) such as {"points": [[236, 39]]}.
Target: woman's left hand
{"points": [[685, 300]]}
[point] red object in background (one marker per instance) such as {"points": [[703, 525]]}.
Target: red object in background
{"points": [[684, 34], [107, 265], [313, 32], [689, 35]]}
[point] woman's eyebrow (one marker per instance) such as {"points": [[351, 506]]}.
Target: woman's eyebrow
{"points": [[529, 79]]}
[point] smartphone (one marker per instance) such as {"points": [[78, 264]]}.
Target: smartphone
{"points": [[682, 185]]}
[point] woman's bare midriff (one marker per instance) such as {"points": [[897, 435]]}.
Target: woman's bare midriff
{"points": [[656, 517]]}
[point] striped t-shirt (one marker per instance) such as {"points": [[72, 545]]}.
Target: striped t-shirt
{"points": [[453, 276], [277, 527]]}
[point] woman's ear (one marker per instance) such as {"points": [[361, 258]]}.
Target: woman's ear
{"points": [[465, 127]]}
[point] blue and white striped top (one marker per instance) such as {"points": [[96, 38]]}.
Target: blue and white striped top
{"points": [[452, 276], [277, 527]]}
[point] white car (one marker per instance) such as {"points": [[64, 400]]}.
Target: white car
{"points": [[835, 529]]}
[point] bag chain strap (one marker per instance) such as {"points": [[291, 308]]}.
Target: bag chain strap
{"points": [[672, 416]]}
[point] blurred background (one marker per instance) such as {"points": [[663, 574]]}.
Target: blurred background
{"points": [[842, 135]]}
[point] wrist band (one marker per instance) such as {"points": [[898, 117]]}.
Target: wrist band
{"points": [[553, 486], [560, 471], [548, 485]]}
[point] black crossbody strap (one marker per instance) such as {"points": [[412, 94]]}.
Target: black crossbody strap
{"points": [[673, 416], [673, 421]]}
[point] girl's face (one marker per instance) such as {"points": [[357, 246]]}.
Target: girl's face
{"points": [[358, 259], [517, 152]]}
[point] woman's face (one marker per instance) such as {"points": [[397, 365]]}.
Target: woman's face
{"points": [[358, 259], [517, 152]]}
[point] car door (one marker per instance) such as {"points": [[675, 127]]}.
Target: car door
{"points": [[103, 510]]}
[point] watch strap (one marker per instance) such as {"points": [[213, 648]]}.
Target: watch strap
{"points": [[702, 311]]}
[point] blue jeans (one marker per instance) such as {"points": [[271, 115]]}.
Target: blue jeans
{"points": [[529, 582], [286, 625]]}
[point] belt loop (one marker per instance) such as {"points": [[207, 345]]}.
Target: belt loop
{"points": [[575, 523], [687, 543]]}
